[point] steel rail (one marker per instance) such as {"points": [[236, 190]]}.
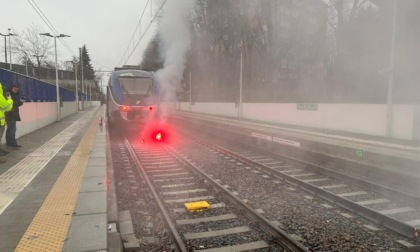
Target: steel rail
{"points": [[178, 240], [391, 223], [282, 238]]}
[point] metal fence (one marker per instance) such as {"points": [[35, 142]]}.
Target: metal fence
{"points": [[39, 73], [35, 90]]}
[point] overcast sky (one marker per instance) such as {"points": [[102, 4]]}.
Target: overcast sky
{"points": [[104, 26]]}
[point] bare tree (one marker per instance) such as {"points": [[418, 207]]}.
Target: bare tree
{"points": [[342, 16], [357, 41], [30, 45]]}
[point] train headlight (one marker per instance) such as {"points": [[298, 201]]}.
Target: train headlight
{"points": [[123, 108]]}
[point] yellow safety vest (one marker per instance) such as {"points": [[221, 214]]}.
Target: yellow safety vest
{"points": [[5, 106]]}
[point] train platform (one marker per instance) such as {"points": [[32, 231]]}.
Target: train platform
{"points": [[379, 152], [53, 190]]}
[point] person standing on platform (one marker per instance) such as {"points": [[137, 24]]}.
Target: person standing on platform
{"points": [[12, 117], [6, 104]]}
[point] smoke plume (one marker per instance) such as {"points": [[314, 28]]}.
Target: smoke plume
{"points": [[175, 35]]}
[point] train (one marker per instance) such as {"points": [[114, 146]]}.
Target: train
{"points": [[132, 97]]}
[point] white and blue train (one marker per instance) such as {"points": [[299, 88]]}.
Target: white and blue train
{"points": [[132, 97]]}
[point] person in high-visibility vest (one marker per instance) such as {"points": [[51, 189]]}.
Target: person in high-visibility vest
{"points": [[12, 117], [6, 104]]}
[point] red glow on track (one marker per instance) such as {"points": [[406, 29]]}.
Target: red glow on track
{"points": [[156, 131], [159, 136]]}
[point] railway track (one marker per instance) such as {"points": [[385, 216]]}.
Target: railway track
{"points": [[228, 225], [390, 208]]}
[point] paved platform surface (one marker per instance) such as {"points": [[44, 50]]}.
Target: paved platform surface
{"points": [[53, 189]]}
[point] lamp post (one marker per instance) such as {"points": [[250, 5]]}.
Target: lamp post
{"points": [[389, 107], [239, 101], [75, 65], [56, 70], [83, 79], [10, 49], [190, 90], [90, 93], [5, 47]]}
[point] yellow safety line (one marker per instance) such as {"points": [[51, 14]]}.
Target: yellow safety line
{"points": [[48, 229]]}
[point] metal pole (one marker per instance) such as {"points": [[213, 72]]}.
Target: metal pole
{"points": [[10, 52], [5, 50], [190, 92], [26, 65], [240, 90], [81, 61], [56, 81], [389, 114], [90, 93], [77, 92]]}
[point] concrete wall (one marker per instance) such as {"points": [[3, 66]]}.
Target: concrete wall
{"points": [[416, 123], [367, 119], [36, 115]]}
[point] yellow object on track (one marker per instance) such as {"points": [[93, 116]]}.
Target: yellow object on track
{"points": [[197, 206]]}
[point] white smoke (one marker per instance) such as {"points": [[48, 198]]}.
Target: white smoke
{"points": [[175, 35]]}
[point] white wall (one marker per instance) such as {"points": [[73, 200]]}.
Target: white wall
{"points": [[223, 109], [367, 119], [36, 115]]}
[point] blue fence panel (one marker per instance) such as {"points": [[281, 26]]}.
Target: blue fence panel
{"points": [[33, 89]]}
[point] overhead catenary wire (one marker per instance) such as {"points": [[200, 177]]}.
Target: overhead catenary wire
{"points": [[50, 25], [135, 31], [100, 65], [55, 31], [144, 33]]}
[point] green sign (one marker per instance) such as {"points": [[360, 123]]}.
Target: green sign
{"points": [[307, 106], [360, 153]]}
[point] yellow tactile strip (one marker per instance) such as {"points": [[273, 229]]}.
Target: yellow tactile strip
{"points": [[48, 229], [16, 178]]}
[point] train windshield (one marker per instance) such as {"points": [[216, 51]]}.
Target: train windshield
{"points": [[135, 85]]}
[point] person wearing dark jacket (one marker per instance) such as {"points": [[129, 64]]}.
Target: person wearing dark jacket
{"points": [[12, 117]]}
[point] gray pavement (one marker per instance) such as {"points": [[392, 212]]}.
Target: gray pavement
{"points": [[16, 218]]}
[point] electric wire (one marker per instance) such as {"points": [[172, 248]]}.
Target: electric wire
{"points": [[101, 65], [55, 31], [144, 33], [135, 31], [49, 24]]}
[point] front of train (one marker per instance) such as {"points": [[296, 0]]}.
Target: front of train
{"points": [[133, 97]]}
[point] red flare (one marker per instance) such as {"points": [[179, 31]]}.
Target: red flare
{"points": [[159, 136]]}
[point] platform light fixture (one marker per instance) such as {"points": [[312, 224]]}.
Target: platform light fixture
{"points": [[56, 70], [10, 48]]}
